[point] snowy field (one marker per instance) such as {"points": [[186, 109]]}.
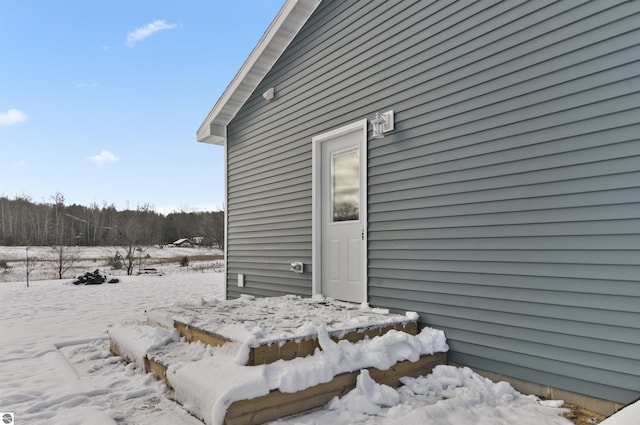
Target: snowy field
{"points": [[89, 258], [55, 366]]}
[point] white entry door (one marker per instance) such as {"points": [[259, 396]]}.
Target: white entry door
{"points": [[342, 219]]}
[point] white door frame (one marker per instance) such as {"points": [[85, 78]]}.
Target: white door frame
{"points": [[316, 193]]}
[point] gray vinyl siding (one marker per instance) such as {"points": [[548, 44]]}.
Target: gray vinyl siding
{"points": [[505, 206]]}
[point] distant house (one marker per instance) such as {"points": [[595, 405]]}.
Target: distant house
{"points": [[184, 242], [500, 197]]}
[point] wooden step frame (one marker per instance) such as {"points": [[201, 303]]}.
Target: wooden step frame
{"points": [[289, 350], [193, 334], [277, 404]]}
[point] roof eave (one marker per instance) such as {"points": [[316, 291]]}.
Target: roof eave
{"points": [[285, 26]]}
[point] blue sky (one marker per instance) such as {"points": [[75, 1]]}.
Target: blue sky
{"points": [[101, 100]]}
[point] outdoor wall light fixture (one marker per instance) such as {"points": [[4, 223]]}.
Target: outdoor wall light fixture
{"points": [[382, 123]]}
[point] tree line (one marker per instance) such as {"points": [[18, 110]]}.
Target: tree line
{"points": [[27, 223]]}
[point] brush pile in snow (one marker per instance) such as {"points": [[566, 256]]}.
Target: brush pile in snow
{"points": [[95, 277]]}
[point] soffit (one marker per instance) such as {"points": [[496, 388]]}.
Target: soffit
{"points": [[285, 26]]}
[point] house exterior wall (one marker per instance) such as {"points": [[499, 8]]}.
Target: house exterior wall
{"points": [[505, 206]]}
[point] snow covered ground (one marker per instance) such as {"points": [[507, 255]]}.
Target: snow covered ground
{"points": [[630, 415], [55, 366]]}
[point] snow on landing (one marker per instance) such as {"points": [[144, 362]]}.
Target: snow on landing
{"points": [[262, 321]]}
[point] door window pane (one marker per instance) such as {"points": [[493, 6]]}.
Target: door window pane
{"points": [[345, 185]]}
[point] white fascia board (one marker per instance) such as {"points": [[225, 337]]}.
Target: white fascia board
{"points": [[285, 26]]}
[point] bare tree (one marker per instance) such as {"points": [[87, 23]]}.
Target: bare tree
{"points": [[32, 263], [65, 257], [217, 228], [133, 253], [129, 257], [131, 231], [49, 223], [56, 223]]}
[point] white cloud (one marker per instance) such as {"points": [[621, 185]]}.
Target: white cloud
{"points": [[103, 157], [141, 33], [11, 117]]}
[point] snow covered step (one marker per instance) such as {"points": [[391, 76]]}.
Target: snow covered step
{"points": [[216, 385], [278, 404], [279, 328], [266, 352], [133, 342]]}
